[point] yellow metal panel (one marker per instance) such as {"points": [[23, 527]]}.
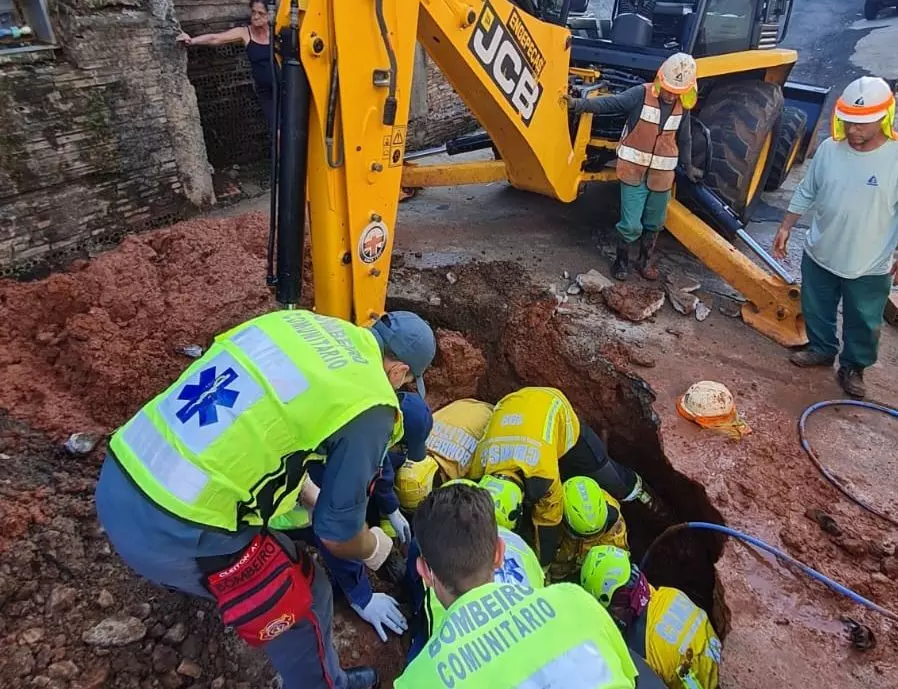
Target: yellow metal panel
{"points": [[773, 308], [453, 174], [501, 61], [745, 61]]}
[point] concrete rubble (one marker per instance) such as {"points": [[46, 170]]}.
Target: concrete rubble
{"points": [[634, 302]]}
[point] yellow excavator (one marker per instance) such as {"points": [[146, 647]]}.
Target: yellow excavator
{"points": [[344, 86]]}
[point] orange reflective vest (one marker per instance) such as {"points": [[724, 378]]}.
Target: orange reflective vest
{"points": [[650, 152]]}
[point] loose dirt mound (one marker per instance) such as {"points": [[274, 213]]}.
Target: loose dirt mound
{"points": [[82, 350]]}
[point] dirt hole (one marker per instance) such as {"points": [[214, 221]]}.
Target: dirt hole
{"points": [[493, 340]]}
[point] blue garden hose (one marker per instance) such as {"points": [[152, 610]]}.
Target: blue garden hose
{"points": [[806, 446], [758, 543]]}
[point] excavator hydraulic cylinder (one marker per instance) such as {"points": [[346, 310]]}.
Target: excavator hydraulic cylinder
{"points": [[293, 154]]}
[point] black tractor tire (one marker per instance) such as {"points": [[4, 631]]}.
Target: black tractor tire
{"points": [[740, 116], [793, 125], [871, 9]]}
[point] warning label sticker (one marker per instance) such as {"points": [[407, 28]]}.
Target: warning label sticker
{"points": [[394, 146]]}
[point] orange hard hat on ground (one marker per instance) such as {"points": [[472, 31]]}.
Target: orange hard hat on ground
{"points": [[711, 405]]}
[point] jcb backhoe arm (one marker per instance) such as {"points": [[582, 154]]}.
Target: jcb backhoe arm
{"points": [[511, 69]]}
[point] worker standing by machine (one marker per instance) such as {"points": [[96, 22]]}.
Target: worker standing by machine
{"points": [[191, 482], [535, 438], [656, 137], [852, 185], [591, 518], [513, 632], [662, 625]]}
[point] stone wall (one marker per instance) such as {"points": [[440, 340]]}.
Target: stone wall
{"points": [[100, 137]]}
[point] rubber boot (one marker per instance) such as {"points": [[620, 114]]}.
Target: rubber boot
{"points": [[646, 497], [647, 256], [621, 268]]}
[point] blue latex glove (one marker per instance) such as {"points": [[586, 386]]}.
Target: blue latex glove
{"points": [[401, 527], [382, 611]]}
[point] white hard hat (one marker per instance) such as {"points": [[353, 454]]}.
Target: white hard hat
{"points": [[708, 399], [678, 73], [864, 100]]}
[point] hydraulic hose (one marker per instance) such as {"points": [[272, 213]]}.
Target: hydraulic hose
{"points": [[758, 543], [270, 279], [806, 446], [390, 105]]}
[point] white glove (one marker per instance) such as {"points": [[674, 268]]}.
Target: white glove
{"points": [[382, 611], [400, 526], [382, 548]]}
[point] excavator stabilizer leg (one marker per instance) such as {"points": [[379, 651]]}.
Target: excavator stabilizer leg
{"points": [[773, 307]]}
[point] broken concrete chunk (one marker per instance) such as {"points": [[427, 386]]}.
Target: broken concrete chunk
{"points": [[683, 302], [593, 282], [175, 634], [119, 630], [574, 289], [188, 668], [192, 351], [81, 443], [451, 278], [682, 282], [702, 311], [566, 275], [730, 307], [634, 302], [434, 300]]}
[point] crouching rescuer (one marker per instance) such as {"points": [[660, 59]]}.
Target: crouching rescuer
{"points": [[193, 479], [656, 137], [662, 625]]}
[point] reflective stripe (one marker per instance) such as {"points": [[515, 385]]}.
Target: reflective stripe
{"points": [[272, 362], [697, 622], [551, 420], [177, 475], [582, 667], [663, 162], [207, 403], [650, 114], [634, 155], [673, 123]]}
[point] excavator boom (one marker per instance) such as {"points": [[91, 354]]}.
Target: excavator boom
{"points": [[509, 67]]}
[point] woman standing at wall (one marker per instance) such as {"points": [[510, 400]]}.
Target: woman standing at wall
{"points": [[255, 38]]}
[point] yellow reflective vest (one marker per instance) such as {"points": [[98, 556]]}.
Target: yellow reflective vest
{"points": [[457, 428], [507, 636], [676, 627], [223, 442], [530, 430]]}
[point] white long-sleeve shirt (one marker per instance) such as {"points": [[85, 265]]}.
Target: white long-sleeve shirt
{"points": [[854, 195]]}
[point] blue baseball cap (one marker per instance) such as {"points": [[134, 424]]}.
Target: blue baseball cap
{"points": [[410, 339], [417, 422]]}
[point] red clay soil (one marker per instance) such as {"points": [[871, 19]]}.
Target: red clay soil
{"points": [[81, 350]]}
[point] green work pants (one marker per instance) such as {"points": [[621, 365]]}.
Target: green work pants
{"points": [[641, 209], [863, 301]]}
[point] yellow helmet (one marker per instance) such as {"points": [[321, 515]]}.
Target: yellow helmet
{"points": [[507, 499], [414, 481], [585, 507]]}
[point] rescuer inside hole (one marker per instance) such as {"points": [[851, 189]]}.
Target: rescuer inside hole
{"points": [[661, 625]]}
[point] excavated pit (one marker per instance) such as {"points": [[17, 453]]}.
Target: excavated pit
{"points": [[494, 339], [82, 350]]}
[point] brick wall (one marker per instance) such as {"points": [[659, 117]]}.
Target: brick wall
{"points": [[100, 137], [445, 115], [234, 126]]}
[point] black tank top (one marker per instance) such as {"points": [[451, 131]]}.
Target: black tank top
{"points": [[260, 65]]}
